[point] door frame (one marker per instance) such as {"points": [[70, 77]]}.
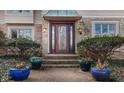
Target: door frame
{"points": [[50, 35]]}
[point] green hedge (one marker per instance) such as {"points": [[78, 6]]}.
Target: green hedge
{"points": [[100, 47], [22, 43]]}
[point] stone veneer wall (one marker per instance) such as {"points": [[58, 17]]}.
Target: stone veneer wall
{"points": [[119, 53], [122, 27], [45, 37], [88, 27], [38, 33], [86, 34], [3, 27]]}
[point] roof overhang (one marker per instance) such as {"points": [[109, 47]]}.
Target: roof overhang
{"points": [[56, 18], [64, 15]]}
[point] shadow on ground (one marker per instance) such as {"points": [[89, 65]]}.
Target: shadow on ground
{"points": [[59, 75]]}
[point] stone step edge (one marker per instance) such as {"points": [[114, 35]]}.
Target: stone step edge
{"points": [[60, 65], [61, 55], [61, 60]]}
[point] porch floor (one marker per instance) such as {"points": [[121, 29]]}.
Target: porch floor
{"points": [[59, 75]]}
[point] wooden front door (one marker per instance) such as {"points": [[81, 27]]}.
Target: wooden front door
{"points": [[62, 38]]}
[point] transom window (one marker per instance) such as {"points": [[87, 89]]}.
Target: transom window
{"points": [[101, 29], [18, 11], [24, 33]]}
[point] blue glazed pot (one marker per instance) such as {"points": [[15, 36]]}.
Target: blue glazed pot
{"points": [[101, 74], [19, 74], [36, 62], [85, 65]]}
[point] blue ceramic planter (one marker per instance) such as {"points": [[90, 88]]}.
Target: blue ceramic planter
{"points": [[101, 75], [85, 65], [19, 74], [36, 62]]}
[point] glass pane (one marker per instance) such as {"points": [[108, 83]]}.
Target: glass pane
{"points": [[25, 33], [71, 37], [13, 33], [53, 37], [62, 37], [98, 28], [112, 28], [21, 33], [62, 13], [104, 28], [11, 11], [27, 11], [28, 33], [19, 11]]}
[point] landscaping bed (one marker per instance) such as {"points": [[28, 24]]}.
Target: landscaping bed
{"points": [[9, 65], [117, 67]]}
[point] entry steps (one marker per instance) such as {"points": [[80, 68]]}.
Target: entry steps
{"points": [[61, 60]]}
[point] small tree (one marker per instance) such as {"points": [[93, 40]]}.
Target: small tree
{"points": [[4, 67], [2, 39], [23, 45], [84, 54], [100, 49]]}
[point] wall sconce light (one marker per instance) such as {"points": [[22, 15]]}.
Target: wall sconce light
{"points": [[82, 27], [44, 29], [80, 30]]}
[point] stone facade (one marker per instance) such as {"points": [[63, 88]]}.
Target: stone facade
{"points": [[41, 26], [3, 27], [45, 37], [38, 33], [121, 27]]}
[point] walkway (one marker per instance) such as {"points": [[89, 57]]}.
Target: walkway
{"points": [[59, 75]]}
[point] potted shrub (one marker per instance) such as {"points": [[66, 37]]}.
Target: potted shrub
{"points": [[36, 59], [85, 61], [36, 62], [27, 50], [19, 70], [100, 50], [85, 65]]}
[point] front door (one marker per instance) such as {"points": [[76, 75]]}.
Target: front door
{"points": [[62, 38]]}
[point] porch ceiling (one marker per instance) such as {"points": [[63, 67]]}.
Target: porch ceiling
{"points": [[62, 15]]}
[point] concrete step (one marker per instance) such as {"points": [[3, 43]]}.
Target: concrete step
{"points": [[61, 61], [60, 65], [61, 56]]}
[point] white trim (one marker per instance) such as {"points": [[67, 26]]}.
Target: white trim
{"points": [[48, 37], [115, 22], [17, 13], [76, 41], [33, 33], [20, 27], [84, 16]]}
